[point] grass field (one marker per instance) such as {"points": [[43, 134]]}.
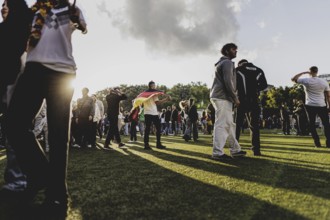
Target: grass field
{"points": [[290, 181]]}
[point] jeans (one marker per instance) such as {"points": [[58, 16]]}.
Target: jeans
{"points": [[35, 84]]}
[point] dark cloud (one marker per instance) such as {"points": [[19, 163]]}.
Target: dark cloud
{"points": [[177, 26]]}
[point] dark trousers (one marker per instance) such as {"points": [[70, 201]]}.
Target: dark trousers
{"points": [[93, 133], [322, 112], [99, 128], [113, 132], [156, 121], [35, 84], [133, 131], [286, 125], [252, 117], [84, 136], [191, 127]]}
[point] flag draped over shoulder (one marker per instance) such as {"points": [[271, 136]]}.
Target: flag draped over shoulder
{"points": [[144, 96]]}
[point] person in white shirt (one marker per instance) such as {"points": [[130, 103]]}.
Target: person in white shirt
{"points": [[96, 119], [151, 116], [317, 93], [49, 71]]}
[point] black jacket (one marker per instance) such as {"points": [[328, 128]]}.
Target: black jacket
{"points": [[14, 33], [250, 81], [168, 115], [86, 107], [192, 113], [113, 100], [174, 115]]}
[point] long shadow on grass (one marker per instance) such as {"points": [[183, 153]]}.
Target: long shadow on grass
{"points": [[291, 148], [176, 139], [113, 185], [260, 170], [277, 142], [307, 164]]}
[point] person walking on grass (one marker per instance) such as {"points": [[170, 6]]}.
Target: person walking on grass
{"points": [[224, 98], [113, 100], [317, 102]]}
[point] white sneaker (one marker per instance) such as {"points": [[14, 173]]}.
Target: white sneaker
{"points": [[76, 146], [89, 146]]}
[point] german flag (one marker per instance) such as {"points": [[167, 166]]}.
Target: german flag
{"points": [[144, 96]]}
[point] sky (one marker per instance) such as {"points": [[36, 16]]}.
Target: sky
{"points": [[178, 41]]}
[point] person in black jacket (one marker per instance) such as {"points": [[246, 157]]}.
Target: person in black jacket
{"points": [[168, 113], [14, 32], [192, 122], [84, 120], [174, 119], [250, 81], [113, 99], [285, 118], [302, 119]]}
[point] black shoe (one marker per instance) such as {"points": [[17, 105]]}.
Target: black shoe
{"points": [[239, 154], [121, 146], [257, 153], [7, 195], [147, 147], [317, 144], [159, 146], [186, 138], [54, 209], [223, 157], [107, 147]]}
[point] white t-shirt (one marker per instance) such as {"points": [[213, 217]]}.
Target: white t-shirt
{"points": [[150, 107], [54, 49], [314, 90]]}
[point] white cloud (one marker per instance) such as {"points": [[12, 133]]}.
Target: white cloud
{"points": [[236, 5], [261, 24], [174, 27], [276, 39], [249, 55]]}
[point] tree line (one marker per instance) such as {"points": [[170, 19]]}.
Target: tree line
{"points": [[270, 100]]}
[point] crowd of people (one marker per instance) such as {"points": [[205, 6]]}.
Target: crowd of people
{"points": [[90, 121], [37, 56]]}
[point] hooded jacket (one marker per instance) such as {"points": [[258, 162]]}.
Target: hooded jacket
{"points": [[224, 83]]}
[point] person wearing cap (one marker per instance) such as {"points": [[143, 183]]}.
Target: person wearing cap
{"points": [[223, 97], [250, 81], [317, 93], [151, 116], [113, 99]]}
